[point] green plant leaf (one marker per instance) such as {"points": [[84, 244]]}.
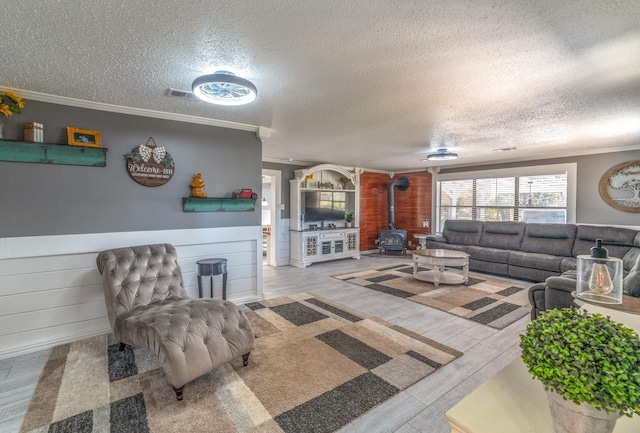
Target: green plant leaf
{"points": [[585, 358]]}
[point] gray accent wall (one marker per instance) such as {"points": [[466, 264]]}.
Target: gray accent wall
{"points": [[590, 207], [287, 171], [46, 199]]}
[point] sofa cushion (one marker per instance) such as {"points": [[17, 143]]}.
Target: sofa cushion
{"points": [[436, 238], [506, 235], [489, 267], [586, 239], [631, 283], [529, 274], [568, 264], [493, 255], [445, 246], [630, 259], [462, 232], [545, 262], [554, 239]]}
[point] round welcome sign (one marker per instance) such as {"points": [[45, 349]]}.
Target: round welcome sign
{"points": [[150, 165]]}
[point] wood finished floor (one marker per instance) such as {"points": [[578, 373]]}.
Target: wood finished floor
{"points": [[418, 409]]}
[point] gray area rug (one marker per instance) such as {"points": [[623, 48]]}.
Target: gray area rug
{"points": [[316, 367], [489, 301]]}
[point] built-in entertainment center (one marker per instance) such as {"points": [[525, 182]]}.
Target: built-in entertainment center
{"points": [[322, 197]]}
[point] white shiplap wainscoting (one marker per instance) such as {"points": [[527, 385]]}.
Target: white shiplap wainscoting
{"points": [[283, 243], [51, 291]]}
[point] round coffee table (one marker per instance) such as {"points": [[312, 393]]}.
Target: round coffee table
{"points": [[437, 259]]}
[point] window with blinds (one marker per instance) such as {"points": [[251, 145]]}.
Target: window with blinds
{"points": [[539, 199]]}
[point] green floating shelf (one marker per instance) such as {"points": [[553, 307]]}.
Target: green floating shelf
{"points": [[45, 153], [190, 204]]}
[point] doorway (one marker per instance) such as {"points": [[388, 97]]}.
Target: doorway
{"points": [[270, 204]]}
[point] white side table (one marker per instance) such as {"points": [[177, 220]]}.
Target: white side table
{"points": [[422, 239], [513, 402]]}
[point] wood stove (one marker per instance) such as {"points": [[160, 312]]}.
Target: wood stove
{"points": [[393, 239]]}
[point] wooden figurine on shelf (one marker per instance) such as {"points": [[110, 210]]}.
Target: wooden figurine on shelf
{"points": [[197, 186]]}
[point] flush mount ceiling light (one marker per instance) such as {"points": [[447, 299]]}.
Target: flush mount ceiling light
{"points": [[224, 88], [441, 155]]}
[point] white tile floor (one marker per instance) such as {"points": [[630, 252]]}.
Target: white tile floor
{"points": [[418, 409], [18, 378]]}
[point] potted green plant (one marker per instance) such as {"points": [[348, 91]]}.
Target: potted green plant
{"points": [[348, 218], [589, 366]]}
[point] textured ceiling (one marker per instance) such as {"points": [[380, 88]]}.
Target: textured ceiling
{"points": [[376, 84]]}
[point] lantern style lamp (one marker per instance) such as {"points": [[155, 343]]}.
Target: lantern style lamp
{"points": [[599, 277]]}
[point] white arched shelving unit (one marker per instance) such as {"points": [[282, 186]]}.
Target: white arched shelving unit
{"points": [[321, 196]]}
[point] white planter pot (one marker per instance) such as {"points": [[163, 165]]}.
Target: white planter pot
{"points": [[569, 417]]}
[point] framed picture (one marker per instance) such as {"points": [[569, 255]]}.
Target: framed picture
{"points": [[83, 137], [620, 186]]}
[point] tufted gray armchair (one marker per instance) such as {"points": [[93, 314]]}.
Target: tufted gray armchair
{"points": [[149, 307]]}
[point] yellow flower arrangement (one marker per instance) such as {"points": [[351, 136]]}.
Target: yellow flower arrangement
{"points": [[10, 103]]}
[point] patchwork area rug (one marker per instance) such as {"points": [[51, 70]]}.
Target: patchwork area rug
{"points": [[316, 367], [493, 302]]}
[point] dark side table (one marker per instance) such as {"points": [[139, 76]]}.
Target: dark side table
{"points": [[211, 267]]}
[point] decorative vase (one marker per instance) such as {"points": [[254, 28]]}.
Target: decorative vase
{"points": [[569, 417]]}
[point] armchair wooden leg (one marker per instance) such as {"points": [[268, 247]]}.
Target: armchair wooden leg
{"points": [[245, 359], [179, 392]]}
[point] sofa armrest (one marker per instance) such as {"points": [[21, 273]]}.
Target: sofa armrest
{"points": [[536, 299], [558, 291], [565, 284], [437, 238]]}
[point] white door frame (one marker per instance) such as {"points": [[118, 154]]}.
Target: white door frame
{"points": [[276, 206]]}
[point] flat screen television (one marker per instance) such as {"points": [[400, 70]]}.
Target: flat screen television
{"points": [[324, 205]]}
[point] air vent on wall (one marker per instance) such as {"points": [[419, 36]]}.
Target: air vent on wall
{"points": [[181, 94]]}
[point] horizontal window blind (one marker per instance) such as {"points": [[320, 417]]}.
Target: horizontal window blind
{"points": [[537, 198]]}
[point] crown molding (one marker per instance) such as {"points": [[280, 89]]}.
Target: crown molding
{"points": [[287, 161], [540, 158], [380, 171], [91, 105], [308, 164]]}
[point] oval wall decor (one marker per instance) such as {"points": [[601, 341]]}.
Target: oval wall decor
{"points": [[620, 186], [150, 165]]}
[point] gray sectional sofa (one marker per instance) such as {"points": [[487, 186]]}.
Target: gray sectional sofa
{"points": [[529, 251]]}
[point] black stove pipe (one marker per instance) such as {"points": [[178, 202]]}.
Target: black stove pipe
{"points": [[402, 184]]}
